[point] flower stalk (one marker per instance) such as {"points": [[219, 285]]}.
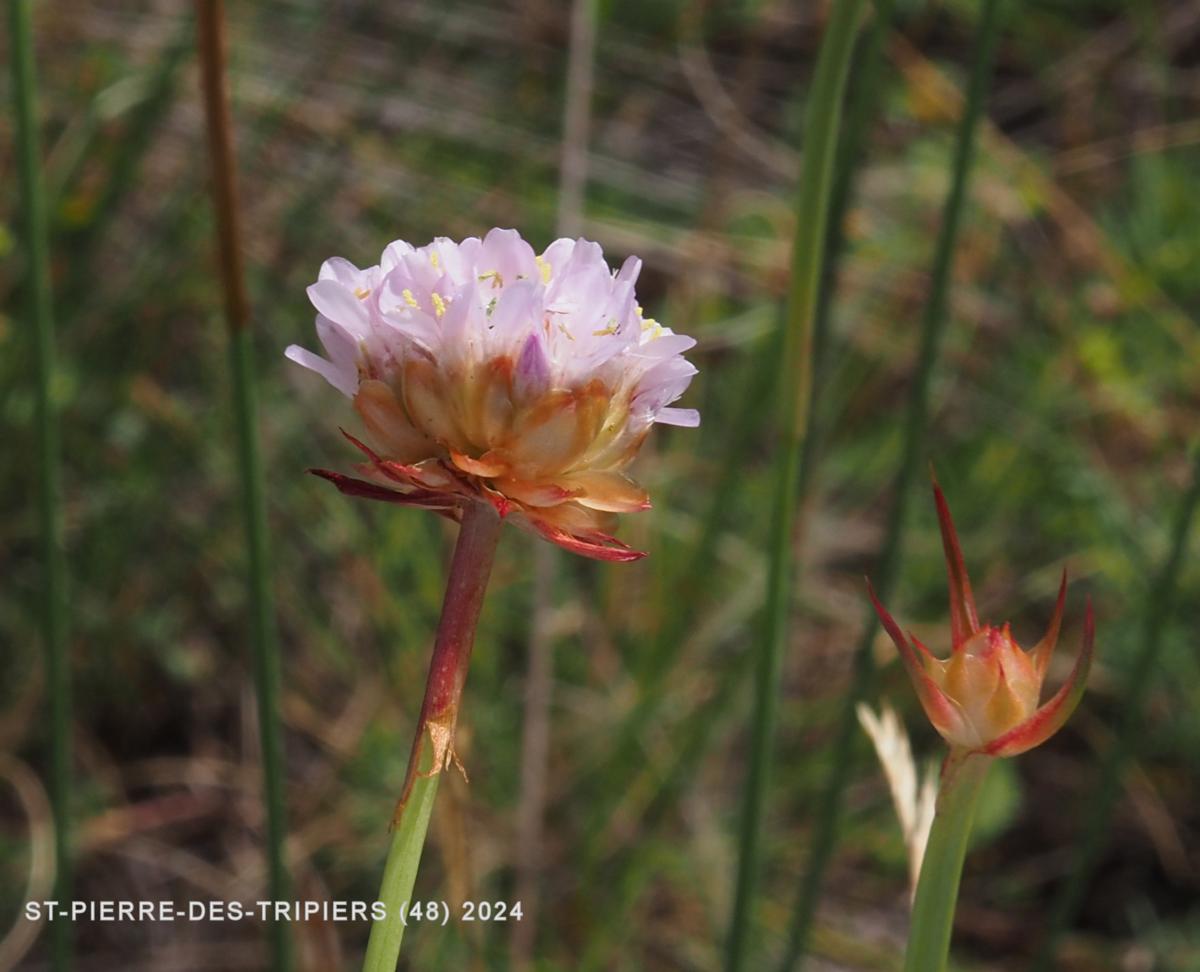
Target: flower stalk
{"points": [[433, 742], [963, 776], [493, 383]]}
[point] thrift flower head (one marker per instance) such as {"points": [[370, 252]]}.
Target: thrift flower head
{"points": [[984, 697], [485, 373]]}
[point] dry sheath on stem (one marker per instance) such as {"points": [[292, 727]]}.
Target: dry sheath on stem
{"points": [[493, 384]]}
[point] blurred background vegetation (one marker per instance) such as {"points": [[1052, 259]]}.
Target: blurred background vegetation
{"points": [[1064, 405]]}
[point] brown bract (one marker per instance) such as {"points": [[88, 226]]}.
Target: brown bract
{"points": [[551, 466], [984, 697]]}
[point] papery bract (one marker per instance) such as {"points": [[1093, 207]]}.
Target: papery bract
{"points": [[485, 373], [984, 697]]}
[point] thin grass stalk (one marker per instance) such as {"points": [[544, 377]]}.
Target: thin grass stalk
{"points": [[795, 384], [1100, 801], [539, 678], [825, 833], [433, 747], [50, 519], [211, 42]]}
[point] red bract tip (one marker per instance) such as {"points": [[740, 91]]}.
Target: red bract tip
{"points": [[964, 620]]}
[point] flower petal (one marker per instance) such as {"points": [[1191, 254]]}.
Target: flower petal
{"points": [[344, 381], [687, 418], [336, 302], [964, 619], [1050, 717], [532, 375], [341, 270]]}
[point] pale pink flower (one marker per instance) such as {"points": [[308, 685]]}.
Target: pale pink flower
{"points": [[483, 372]]}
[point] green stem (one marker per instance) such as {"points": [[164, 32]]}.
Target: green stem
{"points": [[211, 43], [50, 528], [1103, 797], [916, 424], [812, 211], [400, 871], [941, 868], [433, 743]]}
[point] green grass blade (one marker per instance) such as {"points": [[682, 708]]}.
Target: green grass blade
{"points": [[698, 576], [211, 42], [1101, 800], [829, 809], [812, 211], [50, 528], [862, 107]]}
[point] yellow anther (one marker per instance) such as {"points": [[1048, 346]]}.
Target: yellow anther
{"points": [[494, 277], [544, 267], [409, 298], [435, 260], [439, 305], [563, 327], [362, 293], [611, 329]]}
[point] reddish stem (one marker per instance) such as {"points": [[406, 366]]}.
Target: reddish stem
{"points": [[474, 554]]}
